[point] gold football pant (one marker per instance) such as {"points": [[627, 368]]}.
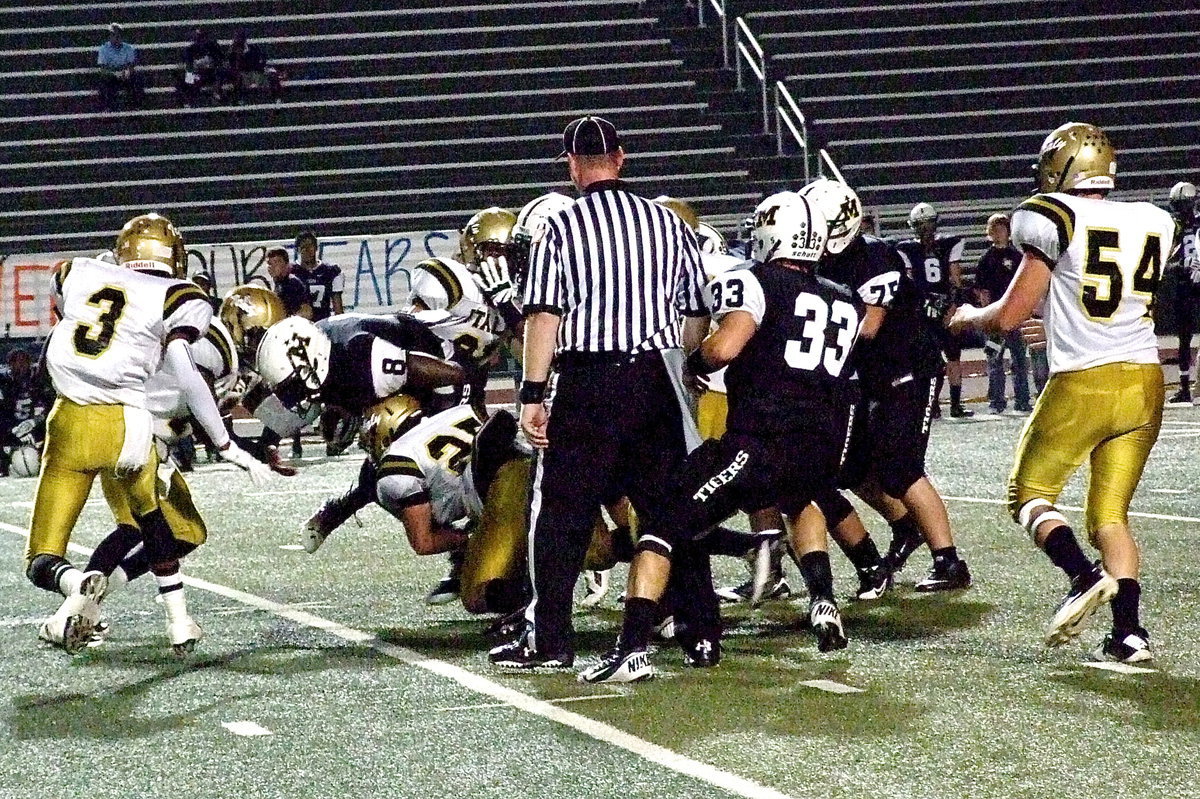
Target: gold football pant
{"points": [[82, 441], [711, 410], [1110, 414], [175, 500]]}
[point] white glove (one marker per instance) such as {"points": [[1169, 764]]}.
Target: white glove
{"points": [[494, 279], [260, 472]]}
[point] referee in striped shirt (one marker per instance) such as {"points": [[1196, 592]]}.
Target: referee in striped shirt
{"points": [[614, 287]]}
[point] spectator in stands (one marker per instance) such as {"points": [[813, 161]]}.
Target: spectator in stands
{"points": [[203, 63], [291, 289], [324, 280], [994, 272], [24, 402], [116, 63], [248, 70]]}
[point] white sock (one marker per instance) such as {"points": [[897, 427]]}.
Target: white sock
{"points": [[170, 591], [70, 581]]}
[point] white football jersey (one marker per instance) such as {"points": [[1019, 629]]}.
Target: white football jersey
{"points": [[214, 353], [429, 462], [115, 322], [715, 265], [1107, 258], [458, 311]]}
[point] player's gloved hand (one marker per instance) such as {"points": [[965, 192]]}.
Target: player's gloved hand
{"points": [[495, 280], [260, 472]]}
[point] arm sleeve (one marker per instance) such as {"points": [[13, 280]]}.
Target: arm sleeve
{"points": [[738, 290], [543, 286], [187, 312], [197, 393]]}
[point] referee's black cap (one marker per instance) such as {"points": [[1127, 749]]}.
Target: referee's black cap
{"points": [[590, 135]]}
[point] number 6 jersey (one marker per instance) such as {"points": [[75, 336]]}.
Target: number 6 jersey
{"points": [[115, 322], [794, 365], [1107, 259]]}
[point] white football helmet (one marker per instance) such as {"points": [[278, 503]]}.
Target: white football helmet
{"points": [[840, 205], [26, 461], [795, 230], [922, 217], [293, 359], [711, 240], [533, 216]]}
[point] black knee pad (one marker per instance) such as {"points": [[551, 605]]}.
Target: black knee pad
{"points": [[834, 506], [44, 570]]}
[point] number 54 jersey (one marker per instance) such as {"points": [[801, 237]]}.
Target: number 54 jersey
{"points": [[114, 324], [1107, 258], [794, 366]]}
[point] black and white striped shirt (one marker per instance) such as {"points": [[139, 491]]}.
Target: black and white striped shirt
{"points": [[619, 269]]}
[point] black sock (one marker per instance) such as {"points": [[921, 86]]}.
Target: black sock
{"points": [[640, 616], [864, 555], [955, 396], [1065, 553], [115, 547], [726, 541], [817, 574], [1125, 605], [945, 556], [905, 529]]}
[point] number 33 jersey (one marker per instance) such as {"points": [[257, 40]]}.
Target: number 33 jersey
{"points": [[795, 363], [114, 324], [1107, 258], [427, 464]]}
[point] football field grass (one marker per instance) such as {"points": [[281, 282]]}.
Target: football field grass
{"points": [[326, 676]]}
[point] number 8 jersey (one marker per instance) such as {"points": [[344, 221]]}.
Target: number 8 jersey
{"points": [[793, 366], [115, 323], [1107, 258]]}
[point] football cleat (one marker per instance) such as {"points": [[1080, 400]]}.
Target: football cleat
{"points": [[959, 412], [664, 629], [518, 655], [449, 587], [778, 589], [1132, 646], [900, 549], [1088, 592], [275, 461], [873, 583], [826, 622], [73, 624], [332, 514], [183, 634], [768, 567], [618, 666], [946, 577], [508, 626], [1181, 398], [596, 585], [702, 654]]}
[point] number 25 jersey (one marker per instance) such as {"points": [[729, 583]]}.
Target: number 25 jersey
{"points": [[1107, 258], [114, 324], [794, 364]]}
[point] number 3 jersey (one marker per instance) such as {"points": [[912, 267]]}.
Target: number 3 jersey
{"points": [[115, 322], [1107, 258], [428, 463], [793, 366]]}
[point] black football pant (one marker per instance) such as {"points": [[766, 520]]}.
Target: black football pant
{"points": [[618, 427]]}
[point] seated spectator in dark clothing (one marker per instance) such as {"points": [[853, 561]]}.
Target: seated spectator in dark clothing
{"points": [[117, 73], [248, 70], [24, 402], [292, 290], [203, 65]]}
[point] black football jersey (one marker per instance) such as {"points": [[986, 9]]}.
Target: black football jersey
{"points": [[353, 362], [905, 343], [795, 365], [323, 281]]}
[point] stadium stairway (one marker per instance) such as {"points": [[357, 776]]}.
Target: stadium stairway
{"points": [[948, 102], [395, 119]]}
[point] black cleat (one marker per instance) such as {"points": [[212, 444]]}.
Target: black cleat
{"points": [[1125, 646], [873, 583], [900, 549], [704, 653], [1088, 592], [950, 576], [518, 655]]}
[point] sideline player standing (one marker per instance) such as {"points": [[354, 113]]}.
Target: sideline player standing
{"points": [[786, 335], [1096, 263], [608, 280]]}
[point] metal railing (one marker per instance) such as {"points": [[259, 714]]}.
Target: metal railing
{"points": [[789, 116], [751, 52], [721, 9]]}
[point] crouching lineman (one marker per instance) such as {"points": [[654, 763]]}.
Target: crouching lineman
{"points": [[785, 335], [1096, 264], [118, 324]]}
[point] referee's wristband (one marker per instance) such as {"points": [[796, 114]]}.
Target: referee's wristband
{"points": [[696, 365], [532, 391]]}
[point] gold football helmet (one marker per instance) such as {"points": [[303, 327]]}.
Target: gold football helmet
{"points": [[386, 421], [1076, 156], [248, 311], [681, 209], [152, 243], [488, 232]]}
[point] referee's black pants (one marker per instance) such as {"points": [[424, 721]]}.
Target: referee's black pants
{"points": [[618, 426]]}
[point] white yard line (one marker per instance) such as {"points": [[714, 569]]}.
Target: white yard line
{"points": [[486, 705], [246, 728], [832, 686], [484, 686]]}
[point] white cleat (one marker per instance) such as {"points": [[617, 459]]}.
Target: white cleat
{"points": [[596, 584], [74, 624], [183, 634]]}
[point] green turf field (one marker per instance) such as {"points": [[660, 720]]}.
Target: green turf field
{"points": [[356, 689]]}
